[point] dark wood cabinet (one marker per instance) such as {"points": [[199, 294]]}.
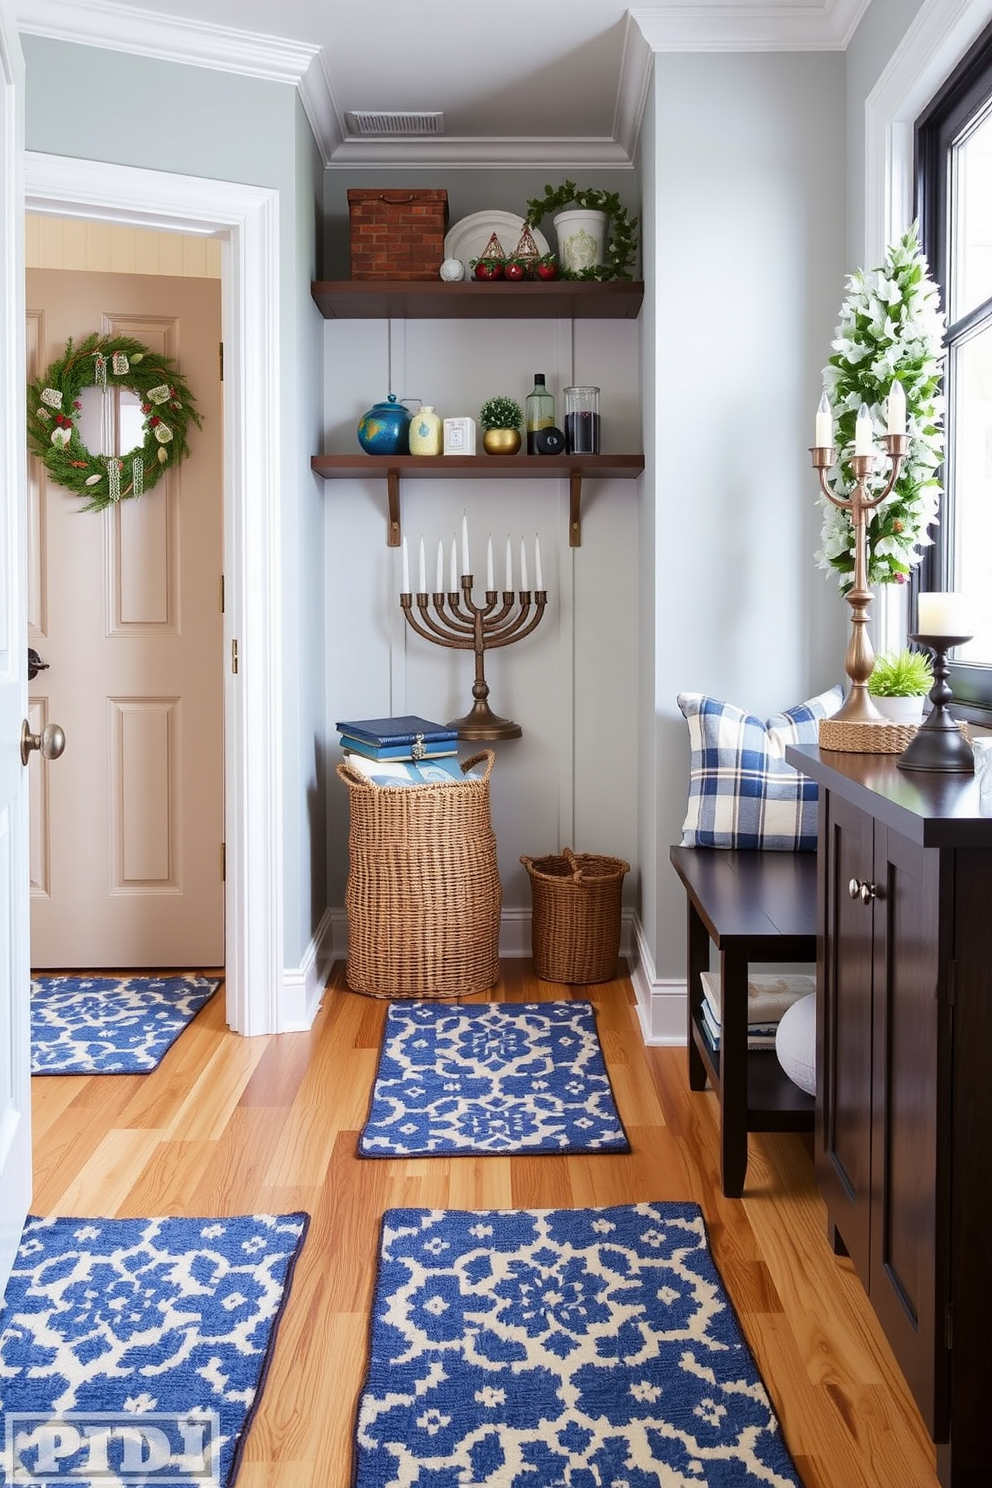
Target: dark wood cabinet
{"points": [[904, 1092]]}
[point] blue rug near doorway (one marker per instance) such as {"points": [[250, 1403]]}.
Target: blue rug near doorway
{"points": [[491, 1077], [578, 1346], [110, 1025], [136, 1350]]}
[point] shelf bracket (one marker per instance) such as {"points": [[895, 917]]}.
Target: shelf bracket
{"points": [[574, 509], [393, 533]]}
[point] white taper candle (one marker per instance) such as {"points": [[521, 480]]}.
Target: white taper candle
{"points": [[824, 437], [896, 408], [523, 565], [440, 567], [863, 432], [490, 580], [454, 566], [423, 570], [466, 561], [508, 586]]}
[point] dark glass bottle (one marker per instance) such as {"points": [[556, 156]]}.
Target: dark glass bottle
{"points": [[539, 412]]}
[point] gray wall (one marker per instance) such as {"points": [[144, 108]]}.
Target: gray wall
{"points": [[101, 105]]}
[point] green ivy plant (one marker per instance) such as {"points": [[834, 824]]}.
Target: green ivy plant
{"points": [[904, 674], [621, 244], [501, 413]]}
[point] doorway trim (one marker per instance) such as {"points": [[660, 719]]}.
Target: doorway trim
{"points": [[246, 219]]}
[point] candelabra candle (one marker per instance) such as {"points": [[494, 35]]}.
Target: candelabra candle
{"points": [[456, 621], [859, 661]]}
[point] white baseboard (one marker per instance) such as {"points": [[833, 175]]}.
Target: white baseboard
{"points": [[660, 1000], [303, 985]]}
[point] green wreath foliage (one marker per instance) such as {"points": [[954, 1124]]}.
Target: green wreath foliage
{"points": [[622, 243], [167, 406]]}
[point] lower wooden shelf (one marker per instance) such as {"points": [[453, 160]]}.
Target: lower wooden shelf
{"points": [[774, 1102], [394, 468]]}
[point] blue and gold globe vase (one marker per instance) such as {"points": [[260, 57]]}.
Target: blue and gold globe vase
{"points": [[385, 428]]}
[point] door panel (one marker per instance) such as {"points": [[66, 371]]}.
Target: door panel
{"points": [[126, 612]]}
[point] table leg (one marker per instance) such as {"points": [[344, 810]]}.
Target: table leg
{"points": [[697, 961], [733, 1072]]}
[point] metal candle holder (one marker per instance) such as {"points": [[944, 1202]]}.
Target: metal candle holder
{"points": [[457, 621], [938, 743], [859, 661]]}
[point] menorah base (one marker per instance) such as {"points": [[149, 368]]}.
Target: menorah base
{"points": [[483, 723]]}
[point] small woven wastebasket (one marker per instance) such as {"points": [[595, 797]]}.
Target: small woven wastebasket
{"points": [[575, 926], [423, 896]]}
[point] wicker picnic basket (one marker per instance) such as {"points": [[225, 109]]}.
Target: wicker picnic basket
{"points": [[575, 926], [423, 896]]}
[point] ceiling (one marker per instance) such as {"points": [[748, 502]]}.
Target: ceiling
{"points": [[555, 83]]}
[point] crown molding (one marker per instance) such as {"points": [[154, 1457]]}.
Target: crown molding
{"points": [[454, 153], [828, 26]]}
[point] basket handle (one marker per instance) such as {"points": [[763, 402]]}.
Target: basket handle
{"points": [[484, 754], [573, 863], [351, 776]]}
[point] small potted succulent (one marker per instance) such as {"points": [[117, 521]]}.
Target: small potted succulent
{"points": [[899, 684], [501, 418]]}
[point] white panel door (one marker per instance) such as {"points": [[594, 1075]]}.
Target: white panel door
{"points": [[125, 611], [15, 1035]]}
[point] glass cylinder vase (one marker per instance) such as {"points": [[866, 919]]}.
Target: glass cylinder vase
{"points": [[581, 420]]}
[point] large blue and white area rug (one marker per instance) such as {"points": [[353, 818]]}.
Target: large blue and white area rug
{"points": [[110, 1025], [491, 1078], [136, 1350], [545, 1348]]}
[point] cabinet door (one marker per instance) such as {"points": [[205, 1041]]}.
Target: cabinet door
{"points": [[844, 1031], [907, 1046]]}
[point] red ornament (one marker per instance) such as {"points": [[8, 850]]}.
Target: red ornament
{"points": [[513, 270], [546, 271], [488, 268]]}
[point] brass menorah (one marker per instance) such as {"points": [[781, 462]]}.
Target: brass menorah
{"points": [[455, 620]]}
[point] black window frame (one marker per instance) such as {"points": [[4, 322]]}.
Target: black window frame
{"points": [[965, 95]]}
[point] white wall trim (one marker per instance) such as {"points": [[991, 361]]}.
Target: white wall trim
{"points": [[248, 218], [661, 1001], [303, 986], [756, 28]]}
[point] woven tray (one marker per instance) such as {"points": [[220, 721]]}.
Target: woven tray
{"points": [[851, 737], [424, 894]]}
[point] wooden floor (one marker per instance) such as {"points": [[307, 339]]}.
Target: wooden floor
{"points": [[228, 1125]]}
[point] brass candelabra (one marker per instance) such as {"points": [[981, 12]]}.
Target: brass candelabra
{"points": [[455, 620], [859, 661]]}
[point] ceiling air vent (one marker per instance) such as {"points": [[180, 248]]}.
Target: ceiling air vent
{"points": [[368, 121]]}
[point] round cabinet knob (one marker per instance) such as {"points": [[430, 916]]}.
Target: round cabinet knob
{"points": [[867, 893], [49, 743], [854, 889]]}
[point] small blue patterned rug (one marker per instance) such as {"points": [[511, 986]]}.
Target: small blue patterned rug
{"points": [[110, 1025], [490, 1078], [541, 1348], [130, 1344]]}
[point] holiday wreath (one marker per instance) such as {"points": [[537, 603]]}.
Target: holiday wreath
{"points": [[167, 407]]}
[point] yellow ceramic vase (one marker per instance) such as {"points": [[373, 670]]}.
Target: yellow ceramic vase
{"points": [[501, 441]]}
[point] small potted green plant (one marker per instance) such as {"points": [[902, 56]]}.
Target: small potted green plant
{"points": [[899, 684], [501, 418]]}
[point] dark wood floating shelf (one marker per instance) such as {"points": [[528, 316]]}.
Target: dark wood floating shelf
{"points": [[472, 299], [391, 468]]}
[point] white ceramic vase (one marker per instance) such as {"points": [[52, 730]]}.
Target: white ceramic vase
{"points": [[581, 238], [900, 709]]}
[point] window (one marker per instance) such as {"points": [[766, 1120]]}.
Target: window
{"points": [[954, 205]]}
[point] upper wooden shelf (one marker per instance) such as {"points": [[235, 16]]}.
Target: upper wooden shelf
{"points": [[472, 299]]}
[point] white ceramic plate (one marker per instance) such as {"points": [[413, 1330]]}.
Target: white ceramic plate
{"points": [[470, 235]]}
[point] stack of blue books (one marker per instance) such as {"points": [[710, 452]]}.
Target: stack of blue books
{"points": [[406, 738]]}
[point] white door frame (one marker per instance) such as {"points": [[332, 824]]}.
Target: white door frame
{"points": [[247, 219]]}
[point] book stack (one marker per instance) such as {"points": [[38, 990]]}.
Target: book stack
{"points": [[768, 997], [405, 738]]}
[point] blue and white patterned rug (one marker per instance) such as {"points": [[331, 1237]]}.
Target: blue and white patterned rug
{"points": [[491, 1077], [110, 1025], [545, 1348], [136, 1350]]}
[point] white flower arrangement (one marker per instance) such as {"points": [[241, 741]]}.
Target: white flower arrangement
{"points": [[891, 327]]}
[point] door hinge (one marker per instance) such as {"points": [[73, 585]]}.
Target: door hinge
{"points": [[234, 657], [220, 359], [222, 596], [223, 862], [949, 1327]]}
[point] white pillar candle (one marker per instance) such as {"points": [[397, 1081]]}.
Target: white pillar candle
{"points": [[863, 432], [523, 565], [508, 586], [423, 570], [454, 566], [490, 581], [440, 567], [538, 575], [896, 408], [944, 614], [824, 437], [406, 569], [466, 561]]}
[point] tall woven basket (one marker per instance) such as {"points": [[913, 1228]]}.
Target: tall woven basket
{"points": [[575, 928], [423, 895]]}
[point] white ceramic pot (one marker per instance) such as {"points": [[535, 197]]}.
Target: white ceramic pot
{"points": [[900, 709], [581, 238]]}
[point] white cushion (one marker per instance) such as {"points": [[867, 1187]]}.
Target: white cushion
{"points": [[795, 1043]]}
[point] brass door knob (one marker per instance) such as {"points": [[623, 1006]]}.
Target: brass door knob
{"points": [[49, 743]]}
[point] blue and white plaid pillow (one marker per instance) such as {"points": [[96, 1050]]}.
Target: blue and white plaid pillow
{"points": [[742, 793]]}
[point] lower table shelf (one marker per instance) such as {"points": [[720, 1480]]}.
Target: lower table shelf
{"points": [[774, 1102]]}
